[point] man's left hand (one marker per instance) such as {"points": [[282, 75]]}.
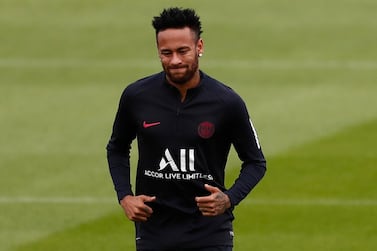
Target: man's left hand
{"points": [[214, 204]]}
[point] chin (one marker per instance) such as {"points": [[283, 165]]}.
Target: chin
{"points": [[179, 80]]}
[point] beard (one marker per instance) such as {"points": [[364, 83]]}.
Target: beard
{"points": [[181, 74]]}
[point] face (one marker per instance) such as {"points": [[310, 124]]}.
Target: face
{"points": [[179, 53]]}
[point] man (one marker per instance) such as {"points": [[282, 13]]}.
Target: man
{"points": [[185, 123]]}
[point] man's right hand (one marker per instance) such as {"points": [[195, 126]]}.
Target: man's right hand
{"points": [[135, 207]]}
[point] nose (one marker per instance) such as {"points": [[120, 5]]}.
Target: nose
{"points": [[176, 59]]}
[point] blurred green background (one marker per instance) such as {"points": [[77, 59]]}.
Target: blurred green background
{"points": [[306, 69]]}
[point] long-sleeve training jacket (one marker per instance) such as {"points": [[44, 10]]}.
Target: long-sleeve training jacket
{"points": [[181, 147]]}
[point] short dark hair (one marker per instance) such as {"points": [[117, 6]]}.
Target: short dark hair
{"points": [[177, 18]]}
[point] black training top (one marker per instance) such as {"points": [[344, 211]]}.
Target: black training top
{"points": [[182, 146]]}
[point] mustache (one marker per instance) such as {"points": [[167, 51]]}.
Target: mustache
{"points": [[177, 67]]}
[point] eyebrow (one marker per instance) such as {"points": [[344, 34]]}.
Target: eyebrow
{"points": [[177, 49]]}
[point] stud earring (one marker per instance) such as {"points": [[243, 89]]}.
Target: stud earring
{"points": [[200, 54]]}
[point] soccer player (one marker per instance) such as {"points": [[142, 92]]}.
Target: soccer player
{"points": [[185, 123]]}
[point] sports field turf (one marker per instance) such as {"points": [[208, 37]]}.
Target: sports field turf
{"points": [[306, 68]]}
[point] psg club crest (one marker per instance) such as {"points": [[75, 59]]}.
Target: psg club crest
{"points": [[206, 129]]}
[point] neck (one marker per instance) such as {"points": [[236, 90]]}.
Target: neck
{"points": [[183, 87]]}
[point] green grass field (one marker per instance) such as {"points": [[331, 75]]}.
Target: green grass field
{"points": [[306, 68]]}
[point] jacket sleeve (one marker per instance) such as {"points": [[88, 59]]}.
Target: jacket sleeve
{"points": [[119, 147], [247, 146]]}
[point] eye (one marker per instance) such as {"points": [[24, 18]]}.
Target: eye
{"points": [[166, 53], [183, 51]]}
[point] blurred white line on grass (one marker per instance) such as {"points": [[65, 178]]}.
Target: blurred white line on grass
{"points": [[249, 201], [206, 63]]}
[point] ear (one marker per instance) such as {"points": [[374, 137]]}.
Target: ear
{"points": [[200, 46]]}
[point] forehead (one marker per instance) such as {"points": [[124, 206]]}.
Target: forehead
{"points": [[176, 37]]}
